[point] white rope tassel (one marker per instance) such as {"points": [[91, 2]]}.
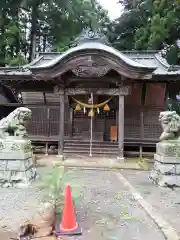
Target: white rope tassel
{"points": [[91, 128]]}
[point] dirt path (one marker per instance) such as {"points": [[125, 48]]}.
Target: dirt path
{"points": [[5, 235]]}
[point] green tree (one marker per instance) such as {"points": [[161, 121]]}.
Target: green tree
{"points": [[28, 26], [149, 24]]}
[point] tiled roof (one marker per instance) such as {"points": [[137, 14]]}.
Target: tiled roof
{"points": [[136, 59], [88, 46]]}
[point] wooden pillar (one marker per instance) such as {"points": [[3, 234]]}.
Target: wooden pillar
{"points": [[48, 131], [71, 123], [61, 124], [141, 132], [121, 128]]}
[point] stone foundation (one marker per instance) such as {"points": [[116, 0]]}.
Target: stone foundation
{"points": [[166, 169], [16, 163]]}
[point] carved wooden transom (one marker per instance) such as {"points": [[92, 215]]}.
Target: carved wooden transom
{"points": [[85, 71], [91, 67]]}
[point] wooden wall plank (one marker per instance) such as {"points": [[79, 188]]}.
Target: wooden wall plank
{"points": [[32, 97], [155, 94], [135, 97]]}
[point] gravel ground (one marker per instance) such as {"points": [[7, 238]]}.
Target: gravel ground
{"points": [[17, 206], [166, 201], [107, 210], [20, 204]]}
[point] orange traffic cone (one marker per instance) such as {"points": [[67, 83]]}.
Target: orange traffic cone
{"points": [[68, 225]]}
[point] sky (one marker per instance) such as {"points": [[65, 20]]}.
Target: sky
{"points": [[114, 8]]}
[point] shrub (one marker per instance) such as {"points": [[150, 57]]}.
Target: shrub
{"points": [[53, 184]]}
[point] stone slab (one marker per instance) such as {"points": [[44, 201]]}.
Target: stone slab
{"points": [[16, 165], [14, 156], [14, 177], [164, 180], [166, 159], [15, 148], [168, 148], [167, 169], [16, 162]]}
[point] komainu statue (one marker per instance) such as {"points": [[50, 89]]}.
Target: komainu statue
{"points": [[166, 169], [170, 122], [16, 157], [14, 123]]}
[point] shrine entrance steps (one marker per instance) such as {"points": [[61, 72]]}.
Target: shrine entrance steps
{"points": [[79, 147]]}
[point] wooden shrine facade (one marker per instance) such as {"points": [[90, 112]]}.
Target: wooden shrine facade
{"points": [[49, 85], [140, 119]]}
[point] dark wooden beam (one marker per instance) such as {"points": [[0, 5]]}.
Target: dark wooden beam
{"points": [[121, 128], [15, 78], [30, 85], [71, 122], [114, 80], [61, 125], [141, 130], [124, 90], [28, 105], [44, 96]]}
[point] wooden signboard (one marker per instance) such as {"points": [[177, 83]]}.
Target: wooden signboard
{"points": [[114, 133]]}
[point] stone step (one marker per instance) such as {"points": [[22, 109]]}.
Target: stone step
{"points": [[87, 146], [84, 147], [93, 149], [81, 151], [82, 154], [88, 142]]}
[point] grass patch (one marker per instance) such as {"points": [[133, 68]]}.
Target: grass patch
{"points": [[53, 182]]}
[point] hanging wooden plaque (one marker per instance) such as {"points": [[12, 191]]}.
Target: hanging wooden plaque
{"points": [[114, 133]]}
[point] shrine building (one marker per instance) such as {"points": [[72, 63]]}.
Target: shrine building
{"points": [[91, 99]]}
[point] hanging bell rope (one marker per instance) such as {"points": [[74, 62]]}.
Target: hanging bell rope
{"points": [[85, 105]]}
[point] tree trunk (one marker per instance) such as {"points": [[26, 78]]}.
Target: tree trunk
{"points": [[44, 43], [33, 33], [2, 41], [15, 48], [18, 33]]}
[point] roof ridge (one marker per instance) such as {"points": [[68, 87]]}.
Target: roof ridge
{"points": [[48, 53], [161, 60], [123, 51], [36, 60], [139, 51]]}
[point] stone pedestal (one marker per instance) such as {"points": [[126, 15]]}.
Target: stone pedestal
{"points": [[166, 169], [16, 162]]}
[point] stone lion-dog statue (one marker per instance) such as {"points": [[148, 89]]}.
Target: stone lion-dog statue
{"points": [[14, 123], [170, 123]]}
